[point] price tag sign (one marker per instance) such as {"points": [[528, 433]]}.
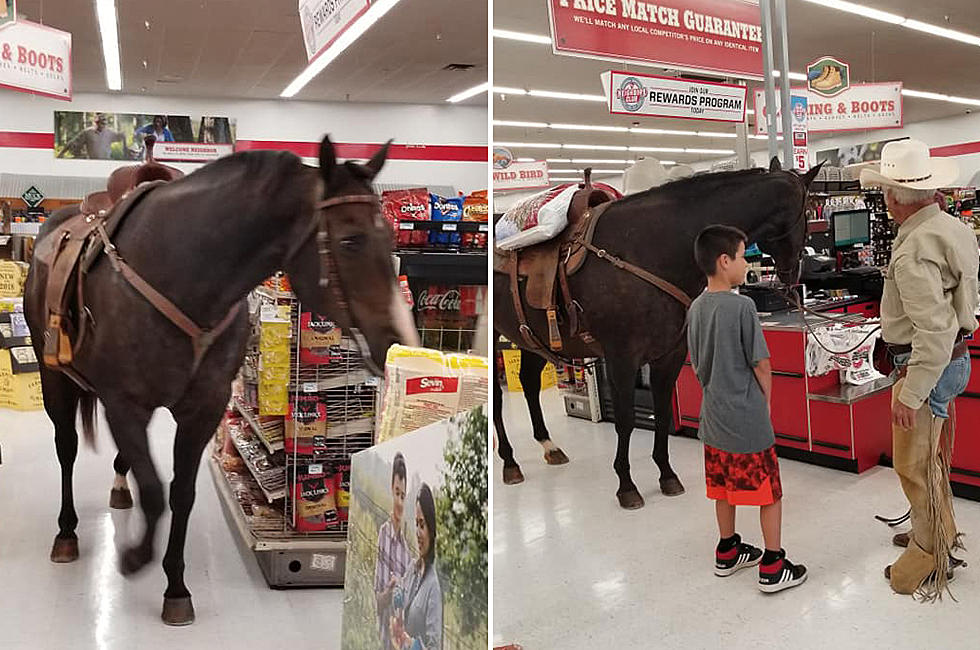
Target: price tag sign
{"points": [[449, 227], [316, 469], [372, 381], [309, 386], [406, 225], [269, 312], [484, 227]]}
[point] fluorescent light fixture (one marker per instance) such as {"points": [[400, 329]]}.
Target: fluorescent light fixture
{"points": [[521, 36], [940, 97], [715, 134], [795, 76], [764, 137], [749, 112], [589, 127], [526, 159], [551, 94], [861, 10], [580, 170], [109, 30], [668, 162], [597, 147], [659, 149], [710, 151], [661, 131], [895, 19], [525, 125], [599, 161], [469, 92], [378, 9], [555, 179], [528, 145], [504, 90], [559, 160]]}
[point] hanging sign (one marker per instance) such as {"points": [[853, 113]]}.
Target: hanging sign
{"points": [[508, 174], [860, 107], [8, 11], [828, 77], [631, 93], [801, 156], [323, 21], [35, 59], [32, 197], [722, 37]]}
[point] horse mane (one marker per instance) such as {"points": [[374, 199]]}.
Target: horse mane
{"points": [[695, 184]]}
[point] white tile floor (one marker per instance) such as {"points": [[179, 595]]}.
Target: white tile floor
{"points": [[88, 604], [572, 570]]}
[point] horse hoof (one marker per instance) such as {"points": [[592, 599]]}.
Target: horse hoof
{"points": [[64, 550], [671, 487], [132, 560], [513, 475], [555, 457], [901, 539], [630, 500], [178, 611], [120, 499]]}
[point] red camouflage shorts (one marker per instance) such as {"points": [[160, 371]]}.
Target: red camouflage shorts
{"points": [[742, 479]]}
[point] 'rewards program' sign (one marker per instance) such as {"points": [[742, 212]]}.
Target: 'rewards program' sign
{"points": [[721, 37], [35, 59], [631, 93]]}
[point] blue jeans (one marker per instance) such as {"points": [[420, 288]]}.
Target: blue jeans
{"points": [[951, 383]]}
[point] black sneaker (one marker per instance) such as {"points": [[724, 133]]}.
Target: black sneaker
{"points": [[738, 557], [781, 574]]}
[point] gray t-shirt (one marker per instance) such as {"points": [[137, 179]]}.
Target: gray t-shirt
{"points": [[725, 339]]}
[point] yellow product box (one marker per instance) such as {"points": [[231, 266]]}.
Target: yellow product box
{"points": [[19, 392], [274, 335], [275, 359], [512, 370], [12, 276], [273, 397], [11, 304]]}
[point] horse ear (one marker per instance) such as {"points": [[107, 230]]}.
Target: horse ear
{"points": [[378, 160], [774, 165], [810, 175], [328, 158]]}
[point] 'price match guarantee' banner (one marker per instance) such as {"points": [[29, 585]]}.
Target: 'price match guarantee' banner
{"points": [[713, 36], [860, 107], [630, 93], [35, 59], [323, 21]]}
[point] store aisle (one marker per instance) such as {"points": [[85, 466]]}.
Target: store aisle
{"points": [[88, 604], [572, 570]]}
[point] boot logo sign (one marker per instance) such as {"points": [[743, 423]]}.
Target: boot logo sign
{"points": [[828, 77]]}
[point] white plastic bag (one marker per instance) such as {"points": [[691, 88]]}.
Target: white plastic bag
{"points": [[536, 219]]}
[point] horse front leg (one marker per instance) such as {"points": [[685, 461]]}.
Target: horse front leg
{"points": [[622, 376], [530, 375], [663, 377], [512, 471], [120, 497]]}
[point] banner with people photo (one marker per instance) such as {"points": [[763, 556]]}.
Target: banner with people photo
{"points": [[121, 136], [416, 575]]}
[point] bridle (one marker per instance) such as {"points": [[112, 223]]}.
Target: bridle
{"points": [[320, 226]]}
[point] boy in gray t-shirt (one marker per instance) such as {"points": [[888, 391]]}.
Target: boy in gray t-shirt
{"points": [[731, 360]]}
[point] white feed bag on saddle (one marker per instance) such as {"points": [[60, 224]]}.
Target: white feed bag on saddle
{"points": [[534, 220], [856, 367]]}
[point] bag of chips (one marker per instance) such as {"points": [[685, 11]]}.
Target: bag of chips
{"points": [[314, 498], [476, 208], [407, 205], [446, 210]]}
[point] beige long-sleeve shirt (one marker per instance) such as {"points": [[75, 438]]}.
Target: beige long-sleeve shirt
{"points": [[930, 295]]}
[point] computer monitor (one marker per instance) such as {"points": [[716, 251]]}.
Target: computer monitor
{"points": [[852, 227]]}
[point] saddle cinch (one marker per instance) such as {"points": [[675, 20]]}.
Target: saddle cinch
{"points": [[545, 268], [75, 245]]}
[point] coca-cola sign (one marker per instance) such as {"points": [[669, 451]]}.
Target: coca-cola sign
{"points": [[446, 301]]}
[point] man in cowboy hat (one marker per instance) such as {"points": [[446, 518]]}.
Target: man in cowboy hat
{"points": [[928, 307]]}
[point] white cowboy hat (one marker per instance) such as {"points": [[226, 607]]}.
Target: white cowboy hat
{"points": [[644, 174], [906, 163]]}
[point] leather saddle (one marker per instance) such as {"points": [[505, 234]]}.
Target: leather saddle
{"points": [[545, 267], [75, 245]]}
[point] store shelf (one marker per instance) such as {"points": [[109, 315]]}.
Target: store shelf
{"points": [[270, 495], [249, 417], [445, 226]]}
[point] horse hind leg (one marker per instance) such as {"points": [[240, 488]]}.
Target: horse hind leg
{"points": [[61, 398], [195, 427], [530, 375], [128, 422], [120, 498], [663, 377], [512, 471], [622, 375]]}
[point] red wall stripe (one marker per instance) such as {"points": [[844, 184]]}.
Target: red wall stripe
{"points": [[23, 140], [450, 153], [955, 149]]}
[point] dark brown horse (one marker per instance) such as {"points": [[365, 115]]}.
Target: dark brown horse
{"points": [[635, 323], [204, 242]]}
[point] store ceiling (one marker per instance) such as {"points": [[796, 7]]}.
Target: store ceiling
{"points": [[254, 48], [876, 51]]}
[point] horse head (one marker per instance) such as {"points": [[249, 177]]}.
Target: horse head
{"points": [[346, 271], [785, 236]]}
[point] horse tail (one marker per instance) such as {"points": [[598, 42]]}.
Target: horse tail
{"points": [[86, 406]]}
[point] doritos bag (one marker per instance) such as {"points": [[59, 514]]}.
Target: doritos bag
{"points": [[445, 210], [407, 205]]}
